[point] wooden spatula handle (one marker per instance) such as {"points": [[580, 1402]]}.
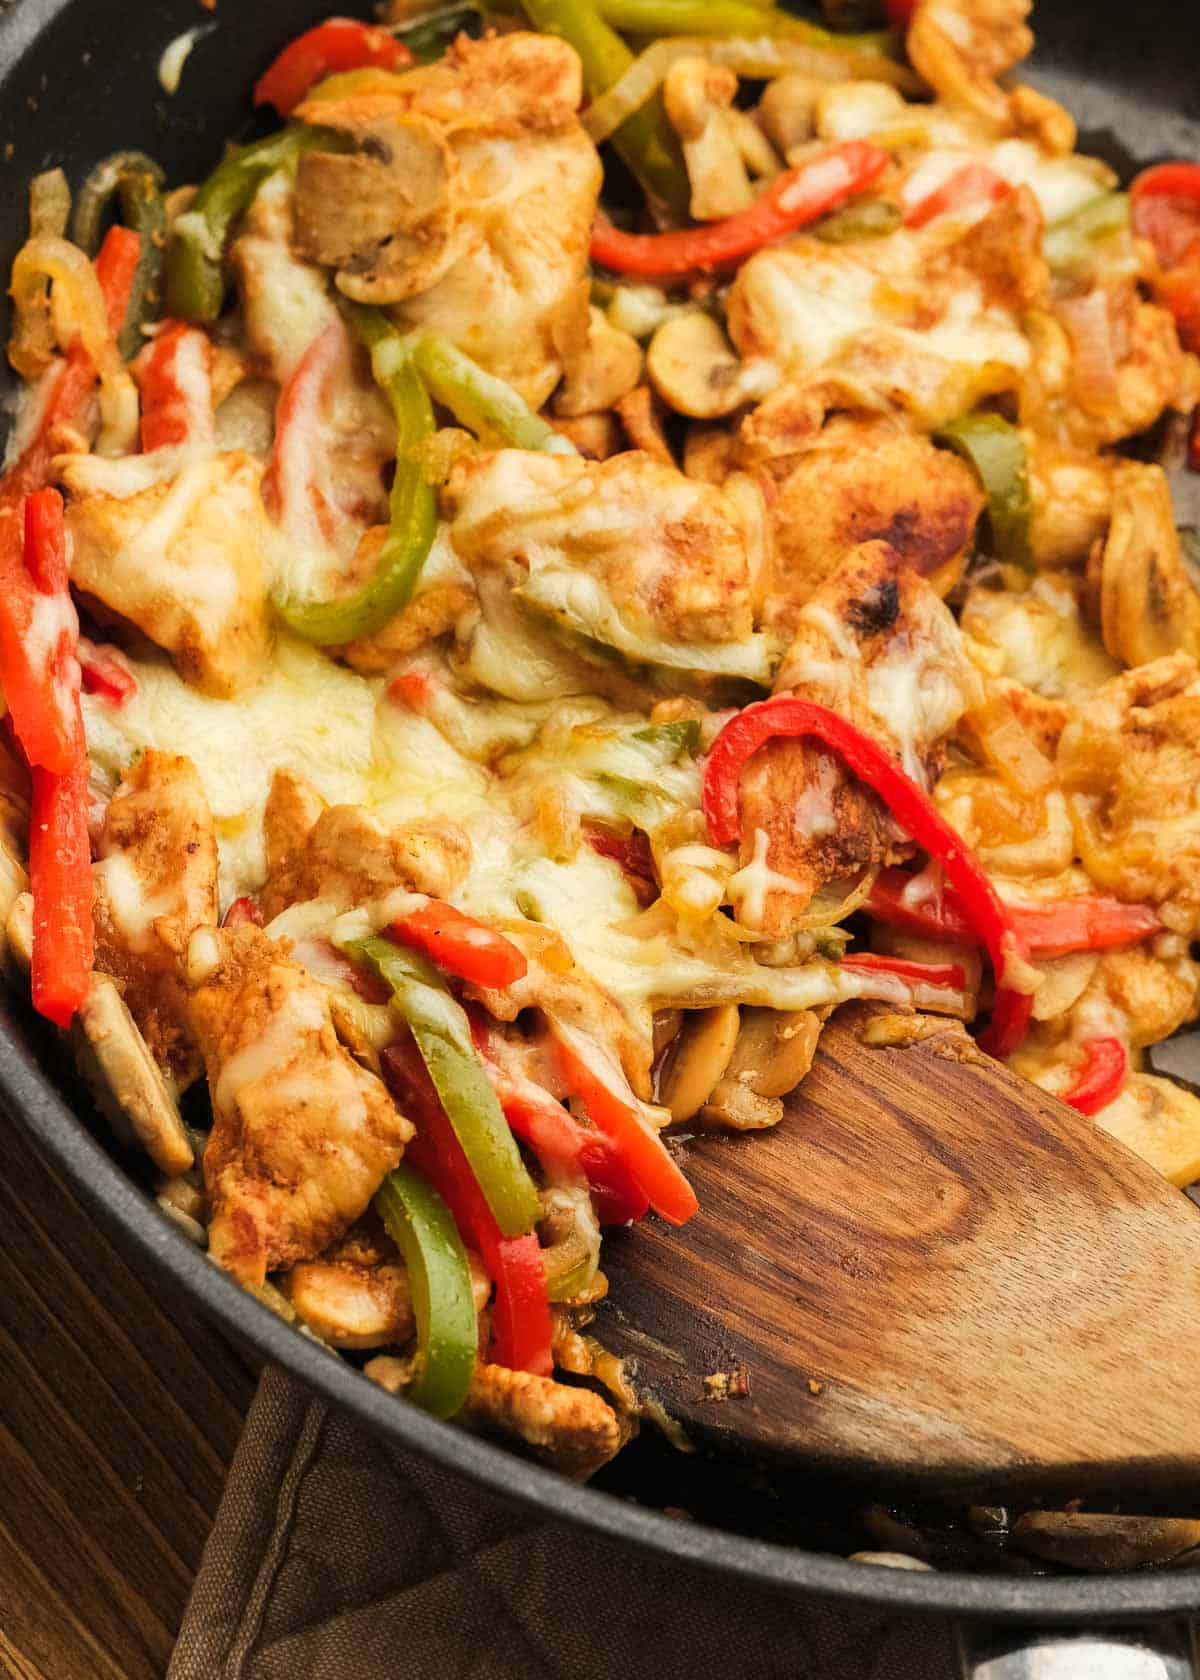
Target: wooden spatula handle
{"points": [[1159, 1651]]}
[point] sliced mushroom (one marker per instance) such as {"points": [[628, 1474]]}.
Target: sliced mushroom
{"points": [[1148, 604], [774, 1051], [600, 370], [852, 110], [18, 931], [699, 98], [383, 216], [128, 1086], [641, 414], [692, 366], [595, 436], [1097, 1541], [14, 882], [787, 111], [697, 1059]]}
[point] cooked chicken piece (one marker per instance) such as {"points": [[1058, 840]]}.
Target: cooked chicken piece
{"points": [[155, 884], [875, 644], [1038, 638], [572, 1429], [600, 369], [864, 480], [1149, 605], [960, 47], [1014, 832], [1153, 997], [285, 303], [1159, 1121], [358, 1295], [1042, 119], [595, 436], [1130, 763], [669, 552], [699, 100], [468, 202], [1072, 501], [1001, 252], [183, 562], [348, 858], [1151, 372], [289, 816], [302, 1136], [556, 983]]}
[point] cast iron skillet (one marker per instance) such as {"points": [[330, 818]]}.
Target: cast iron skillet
{"points": [[77, 80]]}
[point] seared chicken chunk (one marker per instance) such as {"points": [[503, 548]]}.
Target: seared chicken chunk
{"points": [[467, 203], [669, 554], [1129, 761], [863, 480], [302, 1136], [285, 302], [961, 46], [875, 644], [183, 562], [155, 884], [349, 857]]}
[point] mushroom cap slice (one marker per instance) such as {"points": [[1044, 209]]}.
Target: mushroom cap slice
{"points": [[125, 1079], [1096, 1540], [383, 216], [1149, 606], [691, 366]]}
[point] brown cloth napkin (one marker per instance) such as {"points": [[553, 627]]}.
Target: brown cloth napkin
{"points": [[335, 1557]]}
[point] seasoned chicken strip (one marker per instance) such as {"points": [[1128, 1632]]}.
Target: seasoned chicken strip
{"points": [[302, 1136], [155, 884], [875, 644], [349, 857], [184, 562], [668, 552], [468, 203]]}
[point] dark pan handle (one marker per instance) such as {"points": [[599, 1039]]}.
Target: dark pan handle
{"points": [[1158, 1651]]}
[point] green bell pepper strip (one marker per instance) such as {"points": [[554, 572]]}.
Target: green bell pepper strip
{"points": [[412, 512], [484, 404], [442, 1033], [732, 18], [645, 141], [137, 181], [439, 1276], [675, 740], [195, 277], [993, 446], [428, 38], [1072, 239], [872, 218]]}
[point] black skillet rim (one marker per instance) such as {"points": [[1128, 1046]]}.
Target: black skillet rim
{"points": [[29, 1093]]}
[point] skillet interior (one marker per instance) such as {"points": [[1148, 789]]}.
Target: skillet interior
{"points": [[77, 80]]}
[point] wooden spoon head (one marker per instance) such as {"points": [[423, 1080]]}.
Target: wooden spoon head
{"points": [[930, 1277]]}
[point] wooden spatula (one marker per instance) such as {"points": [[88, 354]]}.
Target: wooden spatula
{"points": [[930, 1276]]}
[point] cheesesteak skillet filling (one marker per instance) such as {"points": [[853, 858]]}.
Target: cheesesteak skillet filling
{"points": [[589, 561]]}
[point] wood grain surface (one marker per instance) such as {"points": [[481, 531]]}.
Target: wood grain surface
{"points": [[119, 1412], [932, 1275]]}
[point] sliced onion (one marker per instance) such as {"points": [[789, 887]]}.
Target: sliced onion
{"points": [[1009, 748], [762, 57], [1095, 369], [831, 906], [65, 264]]}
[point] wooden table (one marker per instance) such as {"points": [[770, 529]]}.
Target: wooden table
{"points": [[119, 1412]]}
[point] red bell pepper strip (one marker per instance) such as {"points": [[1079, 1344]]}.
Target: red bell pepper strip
{"points": [[591, 1075], [912, 808], [175, 375], [60, 859], [900, 14], [1099, 1080], [949, 975], [459, 945], [60, 874], [971, 184], [631, 852], [116, 263], [292, 478], [560, 1143], [337, 44], [1053, 927], [106, 675], [795, 198], [1193, 448], [1165, 208], [521, 1326], [39, 634], [243, 912]]}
